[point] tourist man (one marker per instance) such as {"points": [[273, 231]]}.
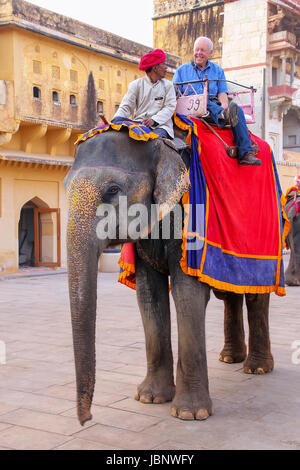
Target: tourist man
{"points": [[151, 99], [217, 104]]}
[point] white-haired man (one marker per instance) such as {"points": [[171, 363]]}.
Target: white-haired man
{"points": [[217, 103]]}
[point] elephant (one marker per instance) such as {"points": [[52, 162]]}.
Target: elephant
{"points": [[292, 273], [106, 167]]}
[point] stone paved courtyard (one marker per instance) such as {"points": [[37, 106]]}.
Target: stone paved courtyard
{"points": [[37, 384]]}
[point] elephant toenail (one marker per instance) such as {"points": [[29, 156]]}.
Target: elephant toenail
{"points": [[159, 400], [202, 414], [146, 399], [186, 415]]}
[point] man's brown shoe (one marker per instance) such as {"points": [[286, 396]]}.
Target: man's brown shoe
{"points": [[250, 159], [231, 114]]}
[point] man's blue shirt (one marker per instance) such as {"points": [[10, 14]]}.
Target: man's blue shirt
{"points": [[190, 71]]}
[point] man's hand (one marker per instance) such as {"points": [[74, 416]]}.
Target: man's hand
{"points": [[223, 98], [148, 122]]}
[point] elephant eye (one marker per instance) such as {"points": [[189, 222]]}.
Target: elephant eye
{"points": [[113, 190]]}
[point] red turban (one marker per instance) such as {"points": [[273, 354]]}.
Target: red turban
{"points": [[152, 58]]}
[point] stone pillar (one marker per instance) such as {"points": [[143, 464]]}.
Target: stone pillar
{"points": [[283, 69], [269, 78], [292, 71], [244, 56]]}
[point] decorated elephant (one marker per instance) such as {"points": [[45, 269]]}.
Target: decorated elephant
{"points": [[106, 167], [292, 209]]}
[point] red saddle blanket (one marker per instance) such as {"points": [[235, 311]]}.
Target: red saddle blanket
{"points": [[244, 228]]}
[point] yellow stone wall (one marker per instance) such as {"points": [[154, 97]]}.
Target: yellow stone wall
{"points": [[176, 29], [65, 69], [288, 169], [51, 65], [20, 184], [6, 52], [286, 176]]}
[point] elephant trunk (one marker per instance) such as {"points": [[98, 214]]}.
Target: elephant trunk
{"points": [[83, 254]]}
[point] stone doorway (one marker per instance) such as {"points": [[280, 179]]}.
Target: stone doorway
{"points": [[39, 235], [26, 235]]}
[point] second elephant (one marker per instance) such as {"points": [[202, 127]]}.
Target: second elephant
{"points": [[292, 209]]}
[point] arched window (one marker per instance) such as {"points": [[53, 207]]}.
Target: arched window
{"points": [[55, 97], [100, 107], [73, 101], [36, 92]]}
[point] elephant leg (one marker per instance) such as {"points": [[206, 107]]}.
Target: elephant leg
{"points": [[153, 300], [260, 359], [292, 273], [234, 349], [192, 400]]}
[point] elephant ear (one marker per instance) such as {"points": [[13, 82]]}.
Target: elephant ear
{"points": [[172, 179]]}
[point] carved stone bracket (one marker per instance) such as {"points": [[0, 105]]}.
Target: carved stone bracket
{"points": [[5, 137], [280, 106], [57, 137], [31, 134], [281, 99]]}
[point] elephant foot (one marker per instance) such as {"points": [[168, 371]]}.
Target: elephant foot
{"points": [[232, 355], [192, 405], [254, 365], [155, 389]]}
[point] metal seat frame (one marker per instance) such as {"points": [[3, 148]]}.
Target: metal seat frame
{"points": [[196, 104]]}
